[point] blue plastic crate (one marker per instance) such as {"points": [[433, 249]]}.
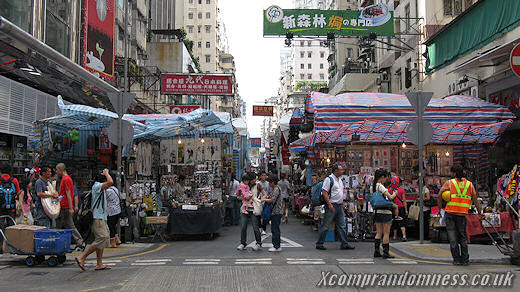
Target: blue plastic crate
{"points": [[52, 241]]}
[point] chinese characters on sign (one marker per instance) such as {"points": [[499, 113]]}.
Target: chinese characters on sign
{"points": [[312, 22], [263, 110], [183, 109], [255, 142], [197, 84]]}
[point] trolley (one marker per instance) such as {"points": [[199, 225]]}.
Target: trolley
{"points": [[54, 243], [502, 246]]}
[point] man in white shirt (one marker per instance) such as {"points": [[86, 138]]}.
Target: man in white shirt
{"points": [[235, 203], [334, 197]]}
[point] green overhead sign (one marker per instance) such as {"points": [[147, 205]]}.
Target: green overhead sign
{"points": [[376, 19]]}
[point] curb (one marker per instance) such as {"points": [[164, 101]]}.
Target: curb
{"points": [[501, 260]]}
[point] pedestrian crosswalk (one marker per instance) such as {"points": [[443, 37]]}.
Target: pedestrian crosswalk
{"points": [[152, 262], [305, 261], [365, 261], [265, 261]]}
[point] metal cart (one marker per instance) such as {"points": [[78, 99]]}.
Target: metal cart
{"points": [[54, 243]]}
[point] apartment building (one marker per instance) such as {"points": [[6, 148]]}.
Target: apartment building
{"points": [[200, 23]]}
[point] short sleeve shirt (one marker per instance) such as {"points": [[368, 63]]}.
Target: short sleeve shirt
{"points": [[284, 188], [336, 193], [100, 211], [41, 187], [66, 185], [400, 198], [113, 204], [276, 204]]}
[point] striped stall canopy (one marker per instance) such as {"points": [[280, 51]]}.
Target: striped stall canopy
{"points": [[171, 125], [296, 117], [309, 107], [386, 132], [82, 117], [332, 112]]}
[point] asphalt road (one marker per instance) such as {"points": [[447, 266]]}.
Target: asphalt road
{"points": [[192, 264]]}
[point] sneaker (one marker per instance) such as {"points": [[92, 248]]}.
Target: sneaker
{"points": [[321, 247], [263, 232], [398, 218], [241, 247], [257, 247], [272, 249]]}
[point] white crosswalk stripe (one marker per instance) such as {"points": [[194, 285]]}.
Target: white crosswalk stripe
{"points": [[153, 262], [201, 262], [294, 261], [265, 261], [366, 261], [402, 262]]}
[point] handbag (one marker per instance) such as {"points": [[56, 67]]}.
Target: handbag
{"points": [[257, 204], [378, 201], [413, 212], [51, 206]]}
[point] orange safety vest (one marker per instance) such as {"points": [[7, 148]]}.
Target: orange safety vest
{"points": [[459, 201]]}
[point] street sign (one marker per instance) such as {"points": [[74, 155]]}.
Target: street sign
{"points": [[127, 99], [413, 132], [515, 60], [263, 110], [127, 134], [413, 98]]}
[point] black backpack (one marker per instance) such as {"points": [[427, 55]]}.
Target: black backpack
{"points": [[7, 193]]}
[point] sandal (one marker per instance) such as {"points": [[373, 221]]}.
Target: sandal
{"points": [[103, 268], [80, 264]]}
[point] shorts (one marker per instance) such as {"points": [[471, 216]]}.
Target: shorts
{"points": [[101, 233], [112, 224], [383, 217]]}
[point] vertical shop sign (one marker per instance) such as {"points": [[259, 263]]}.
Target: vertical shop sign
{"points": [[98, 42]]}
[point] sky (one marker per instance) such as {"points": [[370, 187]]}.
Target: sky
{"points": [[257, 59]]}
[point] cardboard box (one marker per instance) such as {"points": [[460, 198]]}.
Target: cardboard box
{"points": [[21, 236]]}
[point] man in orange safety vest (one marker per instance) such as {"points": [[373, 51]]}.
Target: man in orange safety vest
{"points": [[462, 194]]}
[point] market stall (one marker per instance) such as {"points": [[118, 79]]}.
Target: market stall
{"points": [[366, 131], [196, 146]]}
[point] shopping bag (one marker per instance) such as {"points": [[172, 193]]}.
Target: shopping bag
{"points": [[378, 201], [257, 207], [413, 212]]}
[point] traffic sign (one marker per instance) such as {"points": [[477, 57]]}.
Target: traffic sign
{"points": [[515, 60], [127, 134], [413, 98], [126, 100], [413, 132]]}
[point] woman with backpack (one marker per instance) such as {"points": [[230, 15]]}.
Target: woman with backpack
{"points": [[383, 216], [26, 203], [113, 212], [274, 199]]}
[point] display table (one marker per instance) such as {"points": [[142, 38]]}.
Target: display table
{"points": [[473, 226], [158, 226], [205, 220]]}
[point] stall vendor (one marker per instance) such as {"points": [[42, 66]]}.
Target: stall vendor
{"points": [[178, 190]]}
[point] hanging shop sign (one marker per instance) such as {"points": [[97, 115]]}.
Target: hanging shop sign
{"points": [[183, 109], [263, 110], [376, 19], [98, 44], [255, 142], [200, 84]]}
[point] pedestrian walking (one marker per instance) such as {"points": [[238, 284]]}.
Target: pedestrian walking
{"points": [[244, 194], [316, 189], [113, 214], [383, 216], [99, 224], [400, 201], [41, 187], [235, 203], [462, 193], [66, 218], [265, 187], [285, 188], [26, 203], [332, 192], [275, 201]]}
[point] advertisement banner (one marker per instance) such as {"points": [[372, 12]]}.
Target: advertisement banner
{"points": [[255, 142], [183, 109], [376, 19], [98, 43], [263, 110], [200, 84]]}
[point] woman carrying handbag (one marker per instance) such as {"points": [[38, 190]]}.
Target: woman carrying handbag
{"points": [[383, 213]]}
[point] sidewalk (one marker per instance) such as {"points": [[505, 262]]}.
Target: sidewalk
{"points": [[440, 252], [124, 249]]}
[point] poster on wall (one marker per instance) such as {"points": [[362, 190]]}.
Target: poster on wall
{"points": [[98, 44]]}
